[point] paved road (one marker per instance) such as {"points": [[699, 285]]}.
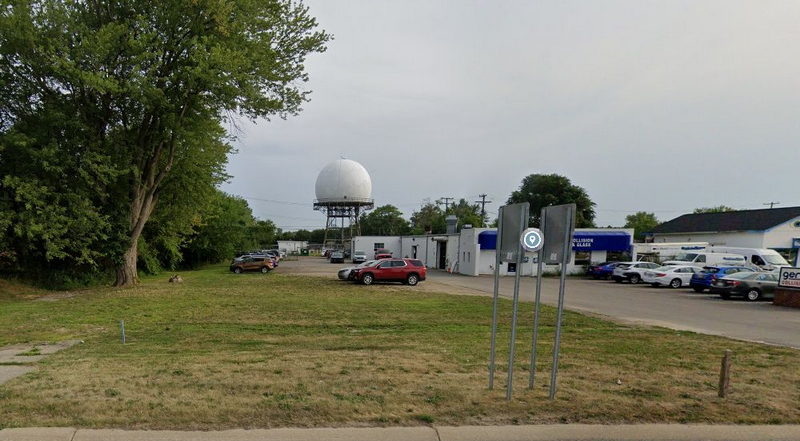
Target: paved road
{"points": [[677, 309]]}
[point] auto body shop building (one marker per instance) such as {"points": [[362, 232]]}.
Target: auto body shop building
{"points": [[775, 228], [472, 251]]}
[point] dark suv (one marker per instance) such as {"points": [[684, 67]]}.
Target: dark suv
{"points": [[408, 271]]}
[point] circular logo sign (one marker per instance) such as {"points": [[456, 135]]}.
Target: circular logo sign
{"points": [[532, 239]]}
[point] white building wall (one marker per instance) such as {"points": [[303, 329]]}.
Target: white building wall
{"points": [[368, 243], [469, 252], [781, 236]]}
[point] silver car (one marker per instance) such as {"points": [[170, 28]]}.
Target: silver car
{"points": [[344, 273]]}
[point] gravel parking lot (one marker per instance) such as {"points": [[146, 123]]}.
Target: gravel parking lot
{"points": [[681, 309]]}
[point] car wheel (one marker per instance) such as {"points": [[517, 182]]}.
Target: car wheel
{"points": [[237, 270], [412, 279], [264, 270], [367, 279], [698, 288], [635, 279], [675, 283], [752, 295]]}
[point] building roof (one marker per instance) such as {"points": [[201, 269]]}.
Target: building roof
{"points": [[745, 220]]}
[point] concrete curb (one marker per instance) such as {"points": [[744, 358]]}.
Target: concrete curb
{"points": [[559, 432]]}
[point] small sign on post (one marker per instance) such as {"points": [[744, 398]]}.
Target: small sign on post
{"points": [[512, 220]]}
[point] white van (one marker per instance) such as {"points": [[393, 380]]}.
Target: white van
{"points": [[708, 259], [761, 257]]}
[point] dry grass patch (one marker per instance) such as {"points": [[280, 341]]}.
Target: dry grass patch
{"points": [[223, 351]]}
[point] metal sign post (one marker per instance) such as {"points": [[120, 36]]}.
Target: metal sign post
{"points": [[569, 224], [523, 222], [495, 297], [512, 219], [537, 301]]}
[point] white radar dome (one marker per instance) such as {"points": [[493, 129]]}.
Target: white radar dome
{"points": [[344, 180]]}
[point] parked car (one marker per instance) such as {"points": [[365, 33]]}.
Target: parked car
{"points": [[601, 270], [274, 255], [337, 257], [252, 263], [382, 253], [359, 257], [408, 271], [347, 272], [632, 271], [705, 279], [673, 276], [751, 286]]}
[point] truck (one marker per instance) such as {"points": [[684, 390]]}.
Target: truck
{"points": [[763, 258], [704, 258]]}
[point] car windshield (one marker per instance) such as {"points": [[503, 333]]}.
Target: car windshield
{"points": [[742, 275], [775, 260], [665, 268], [623, 265], [360, 253], [367, 263], [686, 257], [710, 269]]}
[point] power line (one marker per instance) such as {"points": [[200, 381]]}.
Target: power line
{"points": [[446, 203], [275, 201], [771, 204]]}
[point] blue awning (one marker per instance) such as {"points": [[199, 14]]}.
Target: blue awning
{"points": [[601, 241], [488, 239]]}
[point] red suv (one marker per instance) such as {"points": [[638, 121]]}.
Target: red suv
{"points": [[382, 253], [409, 271]]}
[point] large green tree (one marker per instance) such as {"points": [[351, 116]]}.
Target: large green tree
{"points": [[385, 220], [545, 190], [109, 100], [226, 226], [467, 213], [641, 222], [428, 219]]}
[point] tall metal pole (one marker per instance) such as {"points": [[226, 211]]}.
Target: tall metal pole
{"points": [[559, 315], [483, 203], [537, 301], [515, 304], [495, 297]]}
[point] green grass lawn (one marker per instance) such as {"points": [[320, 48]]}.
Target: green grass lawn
{"points": [[253, 350]]}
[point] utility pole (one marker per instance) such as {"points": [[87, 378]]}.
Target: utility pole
{"points": [[446, 203], [483, 203], [771, 204]]}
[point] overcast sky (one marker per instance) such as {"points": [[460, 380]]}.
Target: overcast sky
{"points": [[659, 106]]}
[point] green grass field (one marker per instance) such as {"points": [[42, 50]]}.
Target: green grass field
{"points": [[253, 350]]}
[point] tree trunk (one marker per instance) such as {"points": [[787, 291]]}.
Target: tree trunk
{"points": [[141, 208], [127, 273]]}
